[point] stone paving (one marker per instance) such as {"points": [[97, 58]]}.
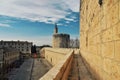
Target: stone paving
{"points": [[31, 69], [41, 66], [22, 73], [79, 71]]}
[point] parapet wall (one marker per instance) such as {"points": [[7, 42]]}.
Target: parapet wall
{"points": [[54, 55], [100, 37], [61, 61]]}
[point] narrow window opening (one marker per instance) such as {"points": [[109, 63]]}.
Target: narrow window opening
{"points": [[87, 7], [100, 2], [51, 59]]}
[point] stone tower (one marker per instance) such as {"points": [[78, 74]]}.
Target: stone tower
{"points": [[60, 40]]}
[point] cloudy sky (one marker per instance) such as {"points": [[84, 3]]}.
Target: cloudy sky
{"points": [[33, 20]]}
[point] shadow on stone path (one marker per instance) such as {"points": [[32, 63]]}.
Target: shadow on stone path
{"points": [[78, 70], [31, 69], [41, 66]]}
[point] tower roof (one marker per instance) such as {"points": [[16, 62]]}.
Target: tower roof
{"points": [[56, 29]]}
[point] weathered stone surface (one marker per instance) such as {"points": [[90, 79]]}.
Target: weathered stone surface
{"points": [[116, 32], [108, 50], [117, 50], [119, 8], [61, 61], [102, 54], [107, 35]]}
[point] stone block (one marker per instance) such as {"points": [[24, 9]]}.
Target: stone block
{"points": [[98, 39], [114, 11], [116, 32], [110, 3], [107, 65], [108, 49], [107, 35], [117, 50], [112, 15], [99, 49], [93, 49], [97, 9], [108, 20], [96, 20], [105, 8], [98, 61], [115, 71], [119, 9], [97, 29], [99, 73], [103, 23], [106, 76]]}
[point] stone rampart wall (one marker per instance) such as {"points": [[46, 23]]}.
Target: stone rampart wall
{"points": [[100, 37], [61, 61]]}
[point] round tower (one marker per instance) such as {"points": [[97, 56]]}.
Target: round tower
{"points": [[60, 40]]}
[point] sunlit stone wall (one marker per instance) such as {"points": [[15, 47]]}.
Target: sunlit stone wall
{"points": [[100, 37], [61, 59]]}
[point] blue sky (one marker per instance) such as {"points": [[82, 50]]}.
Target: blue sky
{"points": [[34, 21]]}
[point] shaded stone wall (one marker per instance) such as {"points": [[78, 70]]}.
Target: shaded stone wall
{"points": [[100, 37]]}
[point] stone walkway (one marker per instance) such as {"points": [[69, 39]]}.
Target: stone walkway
{"points": [[79, 71], [41, 66], [22, 73], [31, 69]]}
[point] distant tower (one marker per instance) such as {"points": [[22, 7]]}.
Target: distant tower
{"points": [[60, 40], [56, 29]]}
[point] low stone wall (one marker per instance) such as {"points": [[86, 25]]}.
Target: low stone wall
{"points": [[54, 55], [61, 60]]}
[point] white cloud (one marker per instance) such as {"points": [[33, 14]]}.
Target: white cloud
{"points": [[48, 11], [69, 19], [4, 25], [73, 5]]}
